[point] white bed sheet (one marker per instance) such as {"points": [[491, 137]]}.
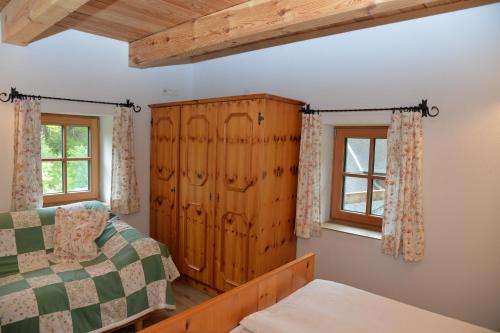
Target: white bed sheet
{"points": [[240, 329], [330, 307]]}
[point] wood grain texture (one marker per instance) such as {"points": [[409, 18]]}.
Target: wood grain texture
{"points": [[200, 286], [129, 20], [277, 195], [262, 21], [227, 99], [256, 188], [197, 187], [238, 167], [164, 178], [24, 20], [223, 313], [237, 222]]}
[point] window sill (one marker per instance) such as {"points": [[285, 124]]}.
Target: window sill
{"points": [[68, 202], [352, 230]]}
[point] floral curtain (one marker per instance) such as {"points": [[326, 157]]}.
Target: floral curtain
{"points": [[403, 226], [27, 190], [124, 190], [308, 217]]}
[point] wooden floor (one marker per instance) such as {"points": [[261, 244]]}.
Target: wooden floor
{"points": [[185, 297]]}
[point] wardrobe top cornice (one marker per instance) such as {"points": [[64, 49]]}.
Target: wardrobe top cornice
{"points": [[228, 99]]}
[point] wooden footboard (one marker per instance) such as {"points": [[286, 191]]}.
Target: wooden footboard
{"points": [[223, 313]]}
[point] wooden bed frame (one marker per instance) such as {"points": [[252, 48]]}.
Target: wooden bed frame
{"points": [[224, 312]]}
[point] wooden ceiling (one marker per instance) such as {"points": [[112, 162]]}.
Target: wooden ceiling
{"points": [[162, 32], [130, 20]]}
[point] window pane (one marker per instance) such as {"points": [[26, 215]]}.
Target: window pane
{"points": [[78, 141], [52, 177], [380, 160], [357, 153], [78, 176], [378, 197], [52, 141], [355, 193]]}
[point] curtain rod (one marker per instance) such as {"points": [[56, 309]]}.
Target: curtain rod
{"points": [[14, 94], [422, 108]]}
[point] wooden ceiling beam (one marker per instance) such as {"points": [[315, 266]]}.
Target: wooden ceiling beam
{"points": [[24, 20], [255, 23]]}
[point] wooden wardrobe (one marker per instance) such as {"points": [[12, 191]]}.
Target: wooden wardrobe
{"points": [[223, 185]]}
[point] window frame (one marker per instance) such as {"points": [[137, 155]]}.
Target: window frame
{"points": [[337, 215], [65, 121]]}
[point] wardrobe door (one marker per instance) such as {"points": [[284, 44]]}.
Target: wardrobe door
{"points": [[164, 177], [286, 242], [197, 165], [277, 191], [239, 137]]}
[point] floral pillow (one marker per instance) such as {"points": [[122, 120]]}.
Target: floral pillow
{"points": [[75, 233]]}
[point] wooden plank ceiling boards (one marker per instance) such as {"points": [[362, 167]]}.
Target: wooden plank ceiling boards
{"points": [[24, 20], [129, 20], [125, 20], [163, 32]]}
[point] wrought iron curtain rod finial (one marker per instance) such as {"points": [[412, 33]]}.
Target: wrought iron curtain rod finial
{"points": [[4, 97], [434, 108], [9, 97], [136, 108], [424, 108], [131, 105]]}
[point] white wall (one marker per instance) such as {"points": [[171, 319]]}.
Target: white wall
{"points": [[78, 65], [454, 61]]}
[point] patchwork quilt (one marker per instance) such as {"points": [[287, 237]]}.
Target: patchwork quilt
{"points": [[129, 278]]}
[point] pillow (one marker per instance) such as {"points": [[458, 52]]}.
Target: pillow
{"points": [[76, 230]]}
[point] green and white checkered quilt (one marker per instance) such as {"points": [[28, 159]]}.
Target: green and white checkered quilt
{"points": [[130, 278]]}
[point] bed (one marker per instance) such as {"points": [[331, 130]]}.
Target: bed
{"points": [[288, 300], [130, 278]]}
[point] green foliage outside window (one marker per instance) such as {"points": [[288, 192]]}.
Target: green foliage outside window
{"points": [[77, 146]]}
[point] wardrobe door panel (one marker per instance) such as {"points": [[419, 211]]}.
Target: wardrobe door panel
{"points": [[238, 140], [277, 245], [237, 149], [196, 216], [269, 187], [234, 247], [286, 241], [164, 177]]}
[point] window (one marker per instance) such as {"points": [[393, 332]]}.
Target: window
{"points": [[70, 158], [358, 182]]}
